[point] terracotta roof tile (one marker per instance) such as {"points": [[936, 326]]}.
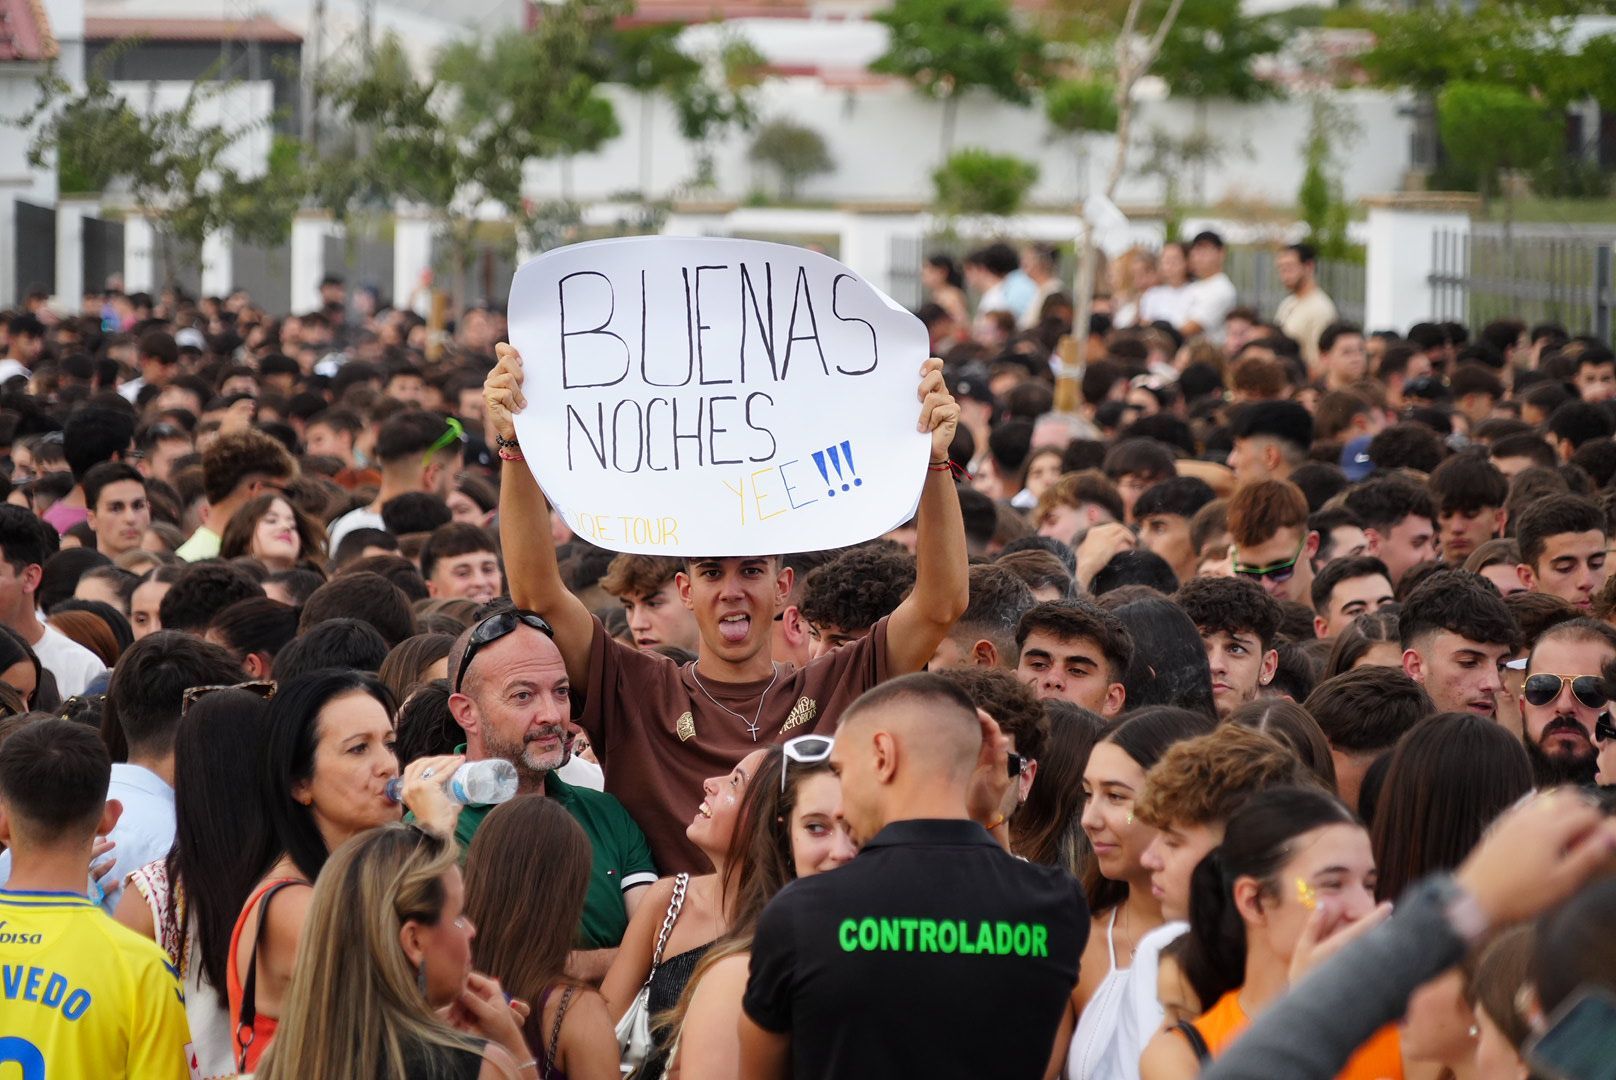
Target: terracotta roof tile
{"points": [[25, 32]]}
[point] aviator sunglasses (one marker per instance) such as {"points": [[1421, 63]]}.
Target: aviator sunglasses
{"points": [[1544, 687]]}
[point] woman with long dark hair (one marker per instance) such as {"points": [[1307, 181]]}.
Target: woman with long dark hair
{"points": [[1048, 828], [329, 760], [527, 872], [1098, 1039], [1369, 639], [1286, 852], [1450, 776], [1288, 723], [695, 910], [188, 901], [788, 829]]}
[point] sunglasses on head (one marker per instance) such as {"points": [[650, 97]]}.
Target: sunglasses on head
{"points": [[454, 433], [804, 750], [264, 688], [491, 630], [1544, 687]]}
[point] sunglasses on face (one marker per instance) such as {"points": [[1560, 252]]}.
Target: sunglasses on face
{"points": [[1545, 687], [1280, 572], [491, 630]]}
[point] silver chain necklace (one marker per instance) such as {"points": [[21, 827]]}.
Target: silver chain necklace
{"points": [[751, 726]]}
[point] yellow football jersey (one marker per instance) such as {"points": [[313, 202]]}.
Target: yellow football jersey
{"points": [[82, 996]]}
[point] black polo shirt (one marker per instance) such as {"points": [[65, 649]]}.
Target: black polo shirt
{"points": [[934, 953]]}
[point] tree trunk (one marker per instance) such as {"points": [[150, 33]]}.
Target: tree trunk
{"points": [[645, 146], [950, 116]]}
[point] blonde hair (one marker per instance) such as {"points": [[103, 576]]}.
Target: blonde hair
{"points": [[354, 1003]]}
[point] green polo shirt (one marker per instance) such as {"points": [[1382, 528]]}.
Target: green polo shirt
{"points": [[622, 858]]}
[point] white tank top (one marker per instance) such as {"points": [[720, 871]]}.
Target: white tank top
{"points": [[1096, 1052]]}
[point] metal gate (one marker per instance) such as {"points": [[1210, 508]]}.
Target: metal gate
{"points": [[102, 245], [36, 249], [1489, 274], [1256, 281], [362, 258], [266, 274]]}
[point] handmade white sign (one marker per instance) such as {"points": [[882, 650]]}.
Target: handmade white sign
{"points": [[704, 396]]}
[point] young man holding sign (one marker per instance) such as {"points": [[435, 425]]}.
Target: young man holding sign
{"points": [[661, 729]]}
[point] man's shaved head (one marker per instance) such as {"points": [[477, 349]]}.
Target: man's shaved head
{"points": [[913, 736]]}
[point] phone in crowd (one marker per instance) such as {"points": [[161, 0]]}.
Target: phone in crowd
{"points": [[1579, 1042]]}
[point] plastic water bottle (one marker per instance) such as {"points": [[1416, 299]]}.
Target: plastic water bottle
{"points": [[482, 782]]}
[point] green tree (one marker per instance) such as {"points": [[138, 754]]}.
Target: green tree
{"points": [[1320, 198], [947, 48], [1488, 129], [1077, 107], [794, 152], [647, 59], [980, 182], [174, 166], [457, 138], [721, 98], [1213, 50]]}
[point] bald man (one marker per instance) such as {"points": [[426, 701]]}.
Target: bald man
{"points": [[858, 973]]}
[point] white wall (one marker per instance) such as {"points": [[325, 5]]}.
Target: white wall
{"points": [[885, 141], [237, 105]]}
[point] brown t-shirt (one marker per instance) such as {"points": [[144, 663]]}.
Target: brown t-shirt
{"points": [[659, 735]]}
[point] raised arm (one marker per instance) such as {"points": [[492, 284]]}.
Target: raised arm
{"points": [[942, 583], [1534, 856], [524, 530]]}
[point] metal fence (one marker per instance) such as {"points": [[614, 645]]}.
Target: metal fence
{"points": [[35, 252], [1256, 282], [903, 279], [1559, 277]]}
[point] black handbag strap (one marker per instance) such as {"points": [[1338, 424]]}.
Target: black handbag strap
{"points": [[249, 986], [553, 1051], [1197, 1043]]}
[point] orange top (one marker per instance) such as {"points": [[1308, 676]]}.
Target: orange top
{"points": [[1381, 1058], [248, 1046]]}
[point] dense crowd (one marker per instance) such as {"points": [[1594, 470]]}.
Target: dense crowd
{"points": [[1236, 703]]}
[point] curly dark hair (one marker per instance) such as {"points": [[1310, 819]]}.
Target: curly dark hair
{"points": [[1231, 605], [859, 587], [1011, 703], [1406, 446]]}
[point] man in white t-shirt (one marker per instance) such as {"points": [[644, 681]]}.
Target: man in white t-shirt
{"points": [[25, 543], [417, 451], [1211, 296], [148, 693], [1305, 313]]}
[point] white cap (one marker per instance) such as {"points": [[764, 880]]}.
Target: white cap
{"points": [[191, 338]]}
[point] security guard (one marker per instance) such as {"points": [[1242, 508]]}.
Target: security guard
{"points": [[934, 952]]}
